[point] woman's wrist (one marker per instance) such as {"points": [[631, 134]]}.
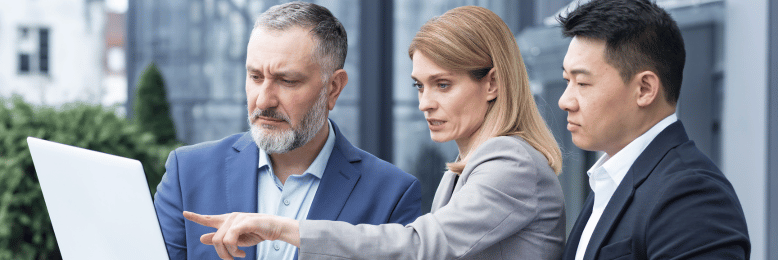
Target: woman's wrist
{"points": [[290, 231]]}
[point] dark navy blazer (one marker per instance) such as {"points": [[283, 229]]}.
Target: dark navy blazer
{"points": [[221, 177], [674, 203]]}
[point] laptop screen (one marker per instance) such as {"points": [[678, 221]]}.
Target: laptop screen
{"points": [[99, 204]]}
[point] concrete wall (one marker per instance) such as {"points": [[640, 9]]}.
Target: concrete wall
{"points": [[744, 122]]}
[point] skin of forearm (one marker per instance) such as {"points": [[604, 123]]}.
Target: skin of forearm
{"points": [[290, 231]]}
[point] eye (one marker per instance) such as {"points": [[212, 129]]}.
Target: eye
{"points": [[254, 75], [289, 82], [418, 85], [443, 85]]}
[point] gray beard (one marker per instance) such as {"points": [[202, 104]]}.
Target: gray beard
{"points": [[272, 140]]}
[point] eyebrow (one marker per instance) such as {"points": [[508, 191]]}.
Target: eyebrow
{"points": [[577, 71], [291, 74], [435, 76], [287, 74]]}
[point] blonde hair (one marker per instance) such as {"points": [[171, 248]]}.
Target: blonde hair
{"points": [[472, 39]]}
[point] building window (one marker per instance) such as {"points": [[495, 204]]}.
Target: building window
{"points": [[33, 50], [43, 54], [24, 63]]}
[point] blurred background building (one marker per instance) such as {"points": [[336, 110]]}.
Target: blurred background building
{"points": [[59, 51], [56, 51]]}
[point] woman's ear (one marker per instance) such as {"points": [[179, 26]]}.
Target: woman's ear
{"points": [[490, 83]]}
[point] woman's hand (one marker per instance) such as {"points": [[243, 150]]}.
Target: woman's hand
{"points": [[244, 229]]}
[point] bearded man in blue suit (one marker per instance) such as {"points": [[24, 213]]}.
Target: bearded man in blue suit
{"points": [[294, 162], [654, 194]]}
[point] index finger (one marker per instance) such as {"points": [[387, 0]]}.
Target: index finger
{"points": [[214, 221]]}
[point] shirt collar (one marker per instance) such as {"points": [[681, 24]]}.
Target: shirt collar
{"points": [[318, 165], [617, 166]]}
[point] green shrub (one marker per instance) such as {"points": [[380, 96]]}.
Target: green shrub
{"points": [[152, 111], [25, 227]]}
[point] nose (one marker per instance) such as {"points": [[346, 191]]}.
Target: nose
{"points": [[567, 102], [267, 95], [426, 101]]}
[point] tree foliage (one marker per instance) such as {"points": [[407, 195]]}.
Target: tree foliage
{"points": [[152, 111], [25, 227]]}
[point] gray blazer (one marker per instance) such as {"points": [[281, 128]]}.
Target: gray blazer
{"points": [[507, 204]]}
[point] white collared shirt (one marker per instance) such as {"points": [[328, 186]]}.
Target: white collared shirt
{"points": [[292, 199], [606, 175]]}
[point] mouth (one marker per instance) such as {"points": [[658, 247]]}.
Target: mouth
{"points": [[572, 126], [264, 118], [435, 122], [268, 123], [270, 116]]}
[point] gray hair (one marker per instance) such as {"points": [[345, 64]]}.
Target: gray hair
{"points": [[330, 52]]}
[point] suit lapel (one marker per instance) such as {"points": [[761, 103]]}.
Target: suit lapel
{"points": [[337, 182], [618, 203], [444, 192], [673, 136], [669, 138], [241, 171], [575, 233], [241, 185]]}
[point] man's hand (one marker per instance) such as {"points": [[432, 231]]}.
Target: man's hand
{"points": [[244, 229]]}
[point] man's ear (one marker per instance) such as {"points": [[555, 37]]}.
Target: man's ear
{"points": [[492, 90], [338, 81], [649, 88]]}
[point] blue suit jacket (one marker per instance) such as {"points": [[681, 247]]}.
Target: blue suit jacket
{"points": [[674, 203], [221, 177]]}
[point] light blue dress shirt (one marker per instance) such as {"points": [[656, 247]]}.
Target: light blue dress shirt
{"points": [[292, 199]]}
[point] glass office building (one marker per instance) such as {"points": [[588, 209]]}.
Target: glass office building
{"points": [[199, 45]]}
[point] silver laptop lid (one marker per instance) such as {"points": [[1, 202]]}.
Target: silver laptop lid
{"points": [[99, 204]]}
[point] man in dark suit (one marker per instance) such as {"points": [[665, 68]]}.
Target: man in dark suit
{"points": [[655, 195], [294, 162]]}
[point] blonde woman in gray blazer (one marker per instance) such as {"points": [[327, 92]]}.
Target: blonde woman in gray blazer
{"points": [[500, 200]]}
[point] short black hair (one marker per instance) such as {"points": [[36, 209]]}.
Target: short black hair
{"points": [[639, 36]]}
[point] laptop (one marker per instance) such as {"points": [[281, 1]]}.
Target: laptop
{"points": [[99, 204]]}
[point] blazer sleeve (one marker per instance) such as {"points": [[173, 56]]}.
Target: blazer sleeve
{"points": [[168, 203], [711, 225], [408, 208], [497, 200]]}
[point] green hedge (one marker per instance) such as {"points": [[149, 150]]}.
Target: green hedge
{"points": [[25, 228]]}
